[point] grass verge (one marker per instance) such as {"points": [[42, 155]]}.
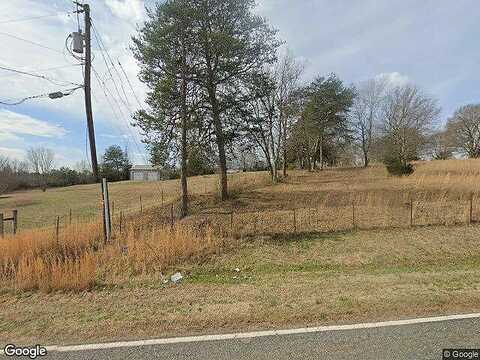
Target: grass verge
{"points": [[312, 280]]}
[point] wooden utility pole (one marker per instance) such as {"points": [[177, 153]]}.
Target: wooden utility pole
{"points": [[88, 90]]}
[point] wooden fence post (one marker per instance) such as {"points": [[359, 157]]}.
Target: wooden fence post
{"points": [[162, 197], [1, 225], [254, 223], [294, 221], [141, 205], [70, 217], [15, 221]]}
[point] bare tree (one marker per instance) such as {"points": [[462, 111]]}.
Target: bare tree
{"points": [[41, 161], [287, 74], [464, 130], [407, 117], [365, 113], [440, 146]]}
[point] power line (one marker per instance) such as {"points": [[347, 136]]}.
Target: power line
{"points": [[130, 85], [52, 95], [122, 115], [102, 51], [30, 42], [53, 81], [30, 18]]}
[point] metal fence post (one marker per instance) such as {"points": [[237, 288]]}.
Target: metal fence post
{"points": [[471, 209], [106, 210], [294, 221], [411, 212], [353, 215], [57, 228], [15, 221], [70, 217], [121, 221]]}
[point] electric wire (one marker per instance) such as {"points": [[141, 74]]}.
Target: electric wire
{"points": [[32, 18], [30, 42], [44, 77], [64, 93]]}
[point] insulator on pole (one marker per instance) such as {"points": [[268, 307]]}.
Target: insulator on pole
{"points": [[78, 42]]}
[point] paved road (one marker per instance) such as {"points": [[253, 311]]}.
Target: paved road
{"points": [[419, 341]]}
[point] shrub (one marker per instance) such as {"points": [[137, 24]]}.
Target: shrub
{"points": [[397, 167]]}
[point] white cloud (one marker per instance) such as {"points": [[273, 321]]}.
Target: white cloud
{"points": [[13, 124], [129, 10], [13, 153], [394, 79]]}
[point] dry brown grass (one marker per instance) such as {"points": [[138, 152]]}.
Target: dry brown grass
{"points": [[338, 278], [78, 259], [40, 209], [439, 193]]}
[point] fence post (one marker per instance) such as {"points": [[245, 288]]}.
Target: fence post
{"points": [[57, 228], [171, 215], [141, 205], [411, 212], [231, 223], [70, 217], [294, 221], [121, 220], [15, 221], [106, 210], [353, 215], [1, 225], [162, 197], [254, 224], [471, 209]]}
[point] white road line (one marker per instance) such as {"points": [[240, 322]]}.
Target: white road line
{"points": [[255, 334]]}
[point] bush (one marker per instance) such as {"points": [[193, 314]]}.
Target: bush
{"points": [[397, 167]]}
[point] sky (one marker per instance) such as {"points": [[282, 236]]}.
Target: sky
{"points": [[431, 43]]}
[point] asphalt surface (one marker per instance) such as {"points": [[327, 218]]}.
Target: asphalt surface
{"points": [[419, 341]]}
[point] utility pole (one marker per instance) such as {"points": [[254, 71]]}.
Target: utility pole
{"points": [[87, 88]]}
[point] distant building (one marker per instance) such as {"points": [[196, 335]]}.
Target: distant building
{"points": [[146, 173]]}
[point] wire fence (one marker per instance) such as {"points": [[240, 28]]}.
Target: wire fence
{"points": [[340, 218], [239, 223]]}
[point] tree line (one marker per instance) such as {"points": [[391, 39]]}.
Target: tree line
{"points": [[222, 87], [38, 170]]}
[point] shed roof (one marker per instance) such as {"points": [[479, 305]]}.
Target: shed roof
{"points": [[145, 168]]}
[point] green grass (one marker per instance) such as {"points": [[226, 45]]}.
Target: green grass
{"points": [[319, 279], [40, 209]]}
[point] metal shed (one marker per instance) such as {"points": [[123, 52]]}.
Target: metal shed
{"points": [[146, 173]]}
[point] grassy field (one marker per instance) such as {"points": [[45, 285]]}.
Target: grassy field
{"points": [[282, 282], [39, 209], [118, 290]]}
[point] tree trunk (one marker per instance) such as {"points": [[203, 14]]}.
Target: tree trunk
{"points": [[222, 158], [365, 159], [284, 147], [184, 155], [321, 151]]}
